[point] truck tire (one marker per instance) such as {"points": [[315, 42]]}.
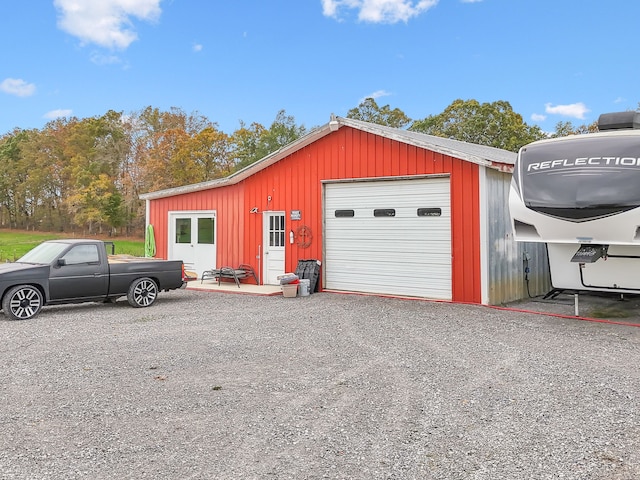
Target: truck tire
{"points": [[142, 292], [22, 302]]}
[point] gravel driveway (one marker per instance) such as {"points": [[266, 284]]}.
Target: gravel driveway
{"points": [[217, 386]]}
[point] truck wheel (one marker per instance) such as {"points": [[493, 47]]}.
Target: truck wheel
{"points": [[142, 292], [22, 302]]}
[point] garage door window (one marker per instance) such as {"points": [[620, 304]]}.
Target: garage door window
{"points": [[429, 212], [384, 212], [344, 213]]}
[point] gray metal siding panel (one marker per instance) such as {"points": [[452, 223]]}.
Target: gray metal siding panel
{"points": [[506, 257]]}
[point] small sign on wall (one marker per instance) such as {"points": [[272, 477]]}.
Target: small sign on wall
{"points": [[295, 215]]}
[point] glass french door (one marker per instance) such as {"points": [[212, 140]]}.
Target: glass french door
{"points": [[193, 240]]}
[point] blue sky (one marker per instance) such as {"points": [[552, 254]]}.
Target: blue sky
{"points": [[245, 60]]}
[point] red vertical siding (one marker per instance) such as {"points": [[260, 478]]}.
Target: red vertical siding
{"points": [[227, 202], [294, 183]]}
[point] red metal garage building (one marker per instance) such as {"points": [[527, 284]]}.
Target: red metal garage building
{"points": [[387, 211]]}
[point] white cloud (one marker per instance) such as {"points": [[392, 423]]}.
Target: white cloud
{"points": [[620, 100], [538, 117], [574, 110], [105, 22], [197, 47], [17, 87], [53, 114], [378, 11], [330, 8], [375, 95], [100, 59]]}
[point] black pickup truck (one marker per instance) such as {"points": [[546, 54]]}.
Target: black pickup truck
{"points": [[76, 271]]}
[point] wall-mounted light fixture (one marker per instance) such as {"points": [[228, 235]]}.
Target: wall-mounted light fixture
{"points": [[254, 210]]}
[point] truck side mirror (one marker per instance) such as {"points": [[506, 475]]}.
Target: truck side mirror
{"points": [[62, 262]]}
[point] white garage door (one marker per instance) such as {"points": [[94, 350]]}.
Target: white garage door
{"points": [[389, 237]]}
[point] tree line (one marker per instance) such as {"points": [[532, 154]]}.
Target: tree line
{"points": [[85, 175]]}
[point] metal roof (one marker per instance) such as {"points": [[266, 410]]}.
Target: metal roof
{"points": [[491, 157]]}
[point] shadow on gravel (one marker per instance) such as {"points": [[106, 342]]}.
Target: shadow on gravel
{"points": [[56, 311], [588, 305]]}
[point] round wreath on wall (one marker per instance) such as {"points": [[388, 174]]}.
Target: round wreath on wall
{"points": [[304, 236]]}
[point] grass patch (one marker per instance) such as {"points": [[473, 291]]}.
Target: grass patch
{"points": [[130, 247], [609, 312], [15, 243]]}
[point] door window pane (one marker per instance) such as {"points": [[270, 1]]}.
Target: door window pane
{"points": [[183, 230], [276, 231], [206, 231]]}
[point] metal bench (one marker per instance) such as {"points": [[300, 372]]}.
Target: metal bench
{"points": [[237, 274]]}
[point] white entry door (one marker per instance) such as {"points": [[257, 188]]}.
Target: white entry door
{"points": [[274, 236], [192, 239]]}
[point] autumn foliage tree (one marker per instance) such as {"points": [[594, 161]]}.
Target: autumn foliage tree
{"points": [[86, 175]]}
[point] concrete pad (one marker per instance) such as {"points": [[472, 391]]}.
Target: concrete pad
{"points": [[231, 287]]}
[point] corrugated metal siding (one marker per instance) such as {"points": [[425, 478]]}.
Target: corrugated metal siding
{"points": [[228, 203], [294, 183], [506, 257]]}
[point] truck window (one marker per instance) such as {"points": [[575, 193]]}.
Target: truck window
{"points": [[82, 254], [44, 253]]}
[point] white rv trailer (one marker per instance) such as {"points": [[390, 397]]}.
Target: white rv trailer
{"points": [[581, 196]]}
